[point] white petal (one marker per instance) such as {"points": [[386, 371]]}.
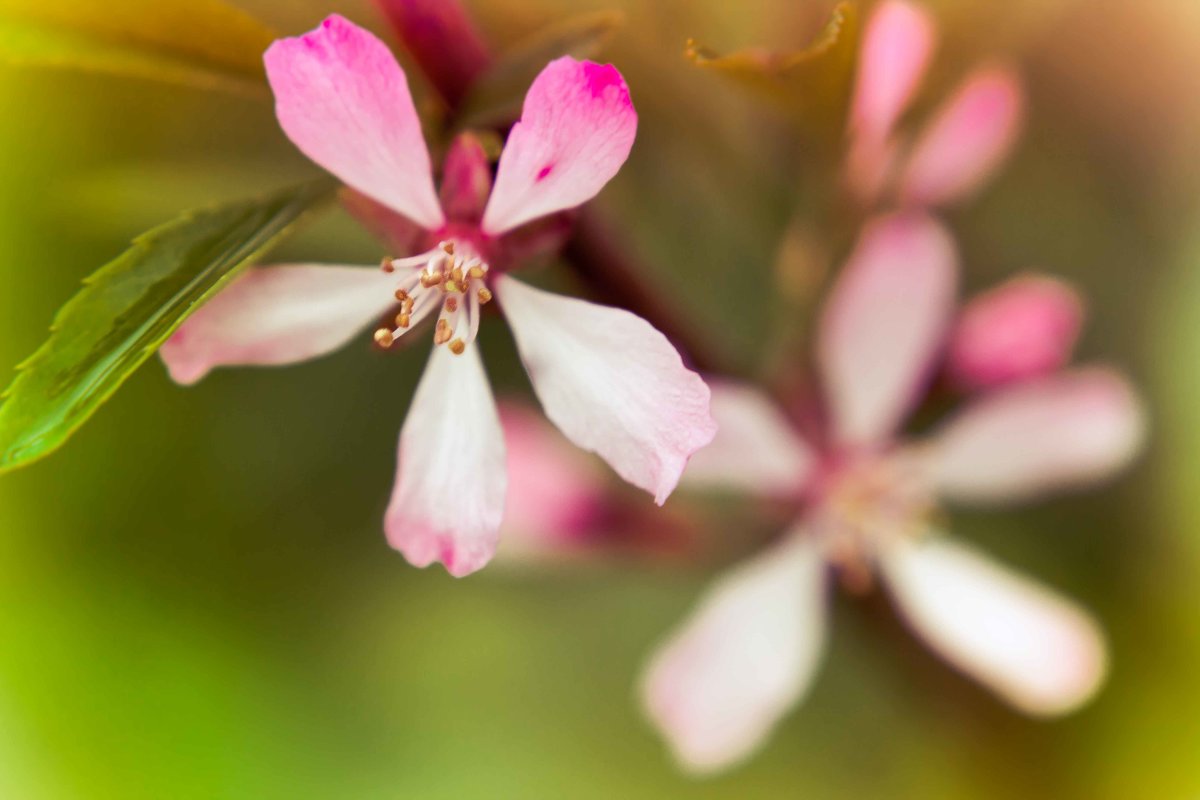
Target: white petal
{"points": [[756, 448], [1040, 652], [884, 323], [743, 659], [612, 383], [278, 315], [449, 495], [1063, 431]]}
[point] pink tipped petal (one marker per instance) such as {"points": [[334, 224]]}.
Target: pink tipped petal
{"points": [[612, 383], [575, 132], [1022, 329], [884, 324], [450, 483], [278, 315], [1040, 652], [1032, 438], [967, 141], [743, 659], [554, 490], [896, 48], [756, 448], [344, 102]]}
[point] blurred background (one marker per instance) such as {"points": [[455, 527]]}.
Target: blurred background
{"points": [[196, 598]]}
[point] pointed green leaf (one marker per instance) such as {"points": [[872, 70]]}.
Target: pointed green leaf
{"points": [[812, 85], [129, 307], [496, 98], [205, 43]]}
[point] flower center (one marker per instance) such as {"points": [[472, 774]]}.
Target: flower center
{"points": [[450, 279], [863, 505]]}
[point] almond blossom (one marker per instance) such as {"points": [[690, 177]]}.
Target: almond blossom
{"points": [[611, 382], [967, 139], [868, 499]]}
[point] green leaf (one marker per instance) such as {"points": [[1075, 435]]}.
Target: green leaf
{"points": [[812, 85], [203, 43], [129, 307], [496, 97]]}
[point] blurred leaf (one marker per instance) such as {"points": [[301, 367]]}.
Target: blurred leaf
{"points": [[129, 307], [812, 85], [497, 96], [204, 43]]}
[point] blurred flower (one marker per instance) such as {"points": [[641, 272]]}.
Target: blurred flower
{"points": [[611, 382], [749, 651], [967, 139], [1024, 328]]}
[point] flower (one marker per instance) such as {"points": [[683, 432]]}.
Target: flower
{"points": [[964, 144], [868, 499], [1024, 328], [611, 382]]}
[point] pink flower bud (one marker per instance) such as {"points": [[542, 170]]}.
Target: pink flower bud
{"points": [[466, 179], [1022, 329], [443, 41]]}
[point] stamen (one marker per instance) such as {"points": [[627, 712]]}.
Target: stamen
{"points": [[384, 338], [403, 320], [452, 304], [443, 332], [457, 347], [430, 280], [477, 271], [456, 275], [485, 295], [448, 247], [402, 296], [386, 265]]}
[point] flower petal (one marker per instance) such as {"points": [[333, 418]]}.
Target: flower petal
{"points": [[612, 383], [575, 132], [1035, 649], [967, 141], [450, 480], [554, 490], [278, 315], [756, 448], [746, 656], [1024, 328], [344, 102], [896, 48], [884, 323], [1067, 430]]}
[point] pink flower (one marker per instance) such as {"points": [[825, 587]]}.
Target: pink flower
{"points": [[968, 138], [868, 500], [612, 383], [1024, 328]]}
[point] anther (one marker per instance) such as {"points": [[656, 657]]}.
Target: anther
{"points": [[457, 347], [401, 295], [386, 265], [485, 295], [476, 271], [442, 333], [452, 304], [456, 275], [384, 337], [448, 247], [403, 320], [428, 280], [451, 286]]}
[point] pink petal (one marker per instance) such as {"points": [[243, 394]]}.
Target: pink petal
{"points": [[466, 178], [896, 48], [884, 324], [756, 449], [1024, 328], [575, 132], [967, 141], [1068, 430], [278, 315], [612, 383], [450, 480], [1038, 651], [344, 102], [746, 656], [554, 491]]}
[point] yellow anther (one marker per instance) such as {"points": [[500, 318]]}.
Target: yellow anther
{"points": [[431, 279], [407, 305], [442, 333], [403, 320], [401, 295], [451, 286], [457, 347], [477, 271], [485, 295], [384, 337], [456, 275]]}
